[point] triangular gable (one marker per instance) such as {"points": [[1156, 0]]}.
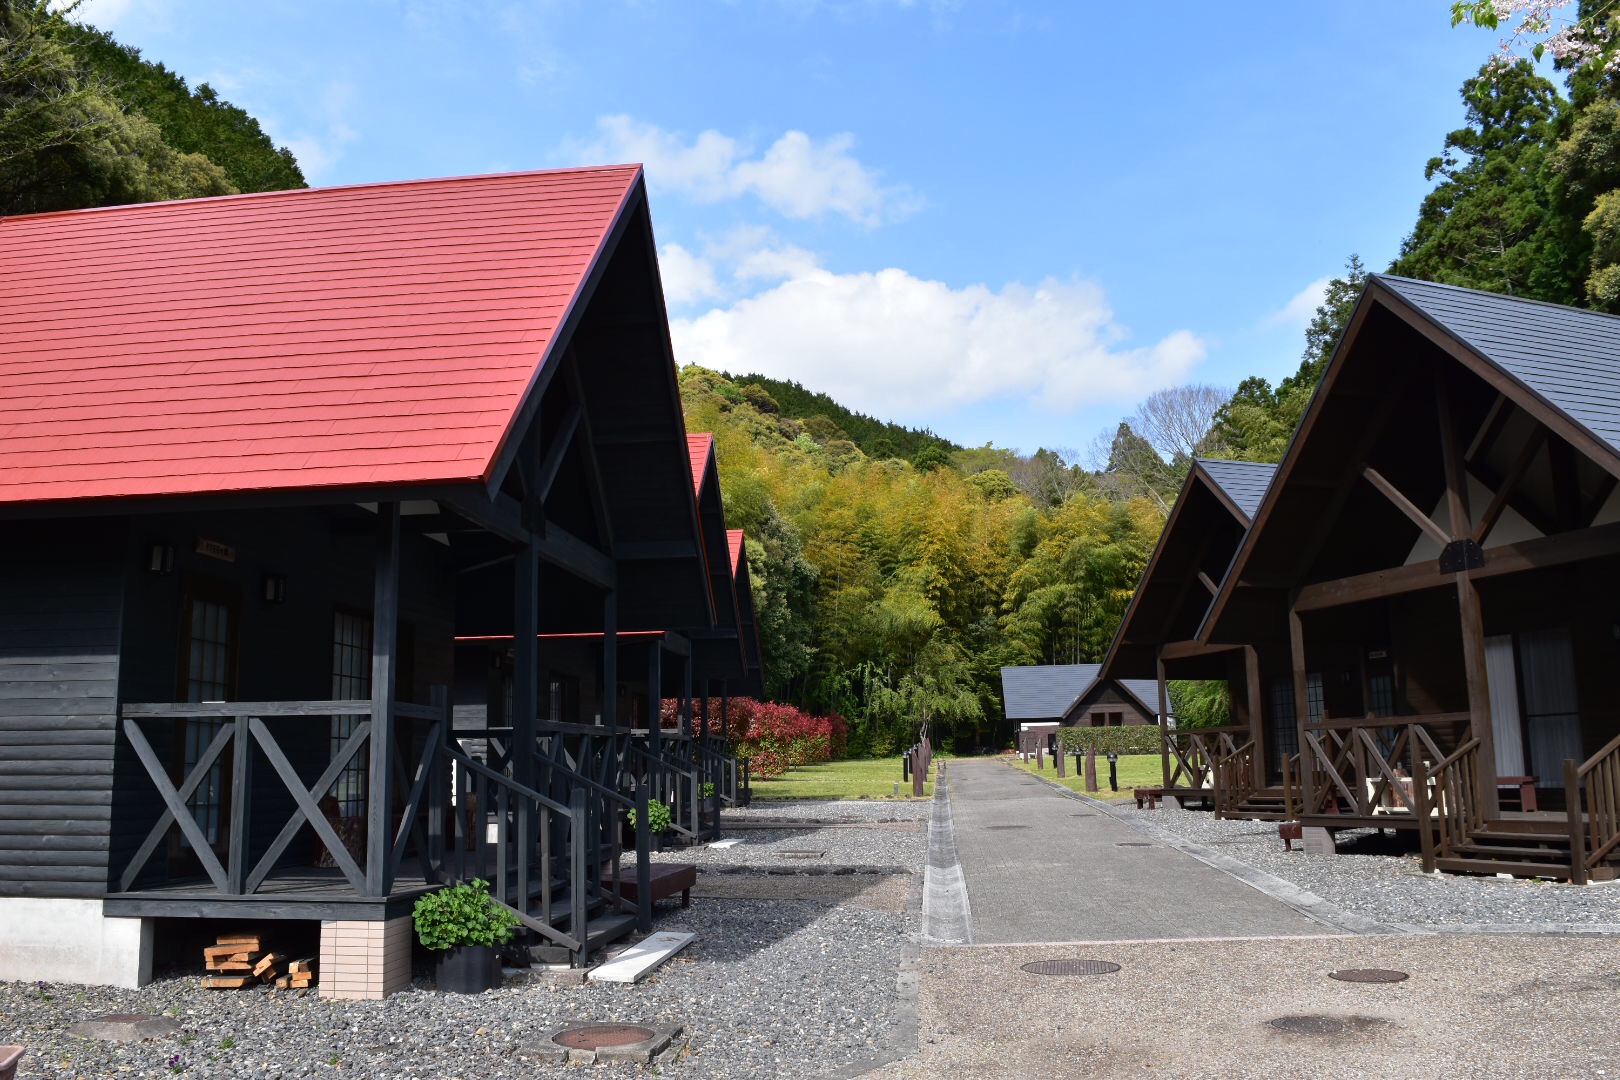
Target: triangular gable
{"points": [[354, 337], [1520, 390], [748, 619], [1205, 526]]}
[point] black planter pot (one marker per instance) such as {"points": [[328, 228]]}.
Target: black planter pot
{"points": [[467, 969]]}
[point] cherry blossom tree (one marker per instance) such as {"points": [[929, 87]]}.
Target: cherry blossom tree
{"points": [[1539, 27]]}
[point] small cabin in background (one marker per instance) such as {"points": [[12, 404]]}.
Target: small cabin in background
{"points": [[1041, 698]]}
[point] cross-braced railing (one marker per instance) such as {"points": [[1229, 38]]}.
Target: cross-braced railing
{"points": [[1360, 766], [247, 727], [1234, 776], [1192, 754], [1593, 791]]}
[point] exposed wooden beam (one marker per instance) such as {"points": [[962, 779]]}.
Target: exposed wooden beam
{"points": [[562, 548], [1489, 429], [1206, 582], [1451, 457], [1181, 650], [593, 467], [1510, 482], [655, 550], [1405, 505], [1376, 585], [552, 462], [384, 676], [1537, 554]]}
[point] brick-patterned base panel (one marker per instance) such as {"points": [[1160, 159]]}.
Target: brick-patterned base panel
{"points": [[365, 959]]}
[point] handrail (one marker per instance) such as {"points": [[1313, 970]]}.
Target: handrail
{"points": [[1352, 723], [174, 710], [1593, 791], [1455, 811]]}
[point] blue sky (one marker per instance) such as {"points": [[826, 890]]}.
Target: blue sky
{"points": [[1006, 221]]}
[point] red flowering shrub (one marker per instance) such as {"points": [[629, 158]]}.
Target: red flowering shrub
{"points": [[775, 736]]}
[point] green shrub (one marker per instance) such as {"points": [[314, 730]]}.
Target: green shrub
{"points": [[1133, 739], [706, 791], [462, 914], [659, 819]]}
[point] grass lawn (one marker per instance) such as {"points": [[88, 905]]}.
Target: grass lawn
{"points": [[1135, 770], [870, 778]]}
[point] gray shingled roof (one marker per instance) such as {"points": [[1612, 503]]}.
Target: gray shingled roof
{"points": [[1245, 482], [1045, 691], [1569, 356]]}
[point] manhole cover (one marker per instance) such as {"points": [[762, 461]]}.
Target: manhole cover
{"points": [[1309, 1025], [1071, 967], [1133, 843], [1006, 826], [799, 853], [596, 1036], [1368, 975]]}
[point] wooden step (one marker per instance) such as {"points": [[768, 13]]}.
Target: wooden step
{"points": [[600, 931], [1494, 851], [1560, 871]]}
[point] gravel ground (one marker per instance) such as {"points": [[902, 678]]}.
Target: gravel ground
{"points": [[1377, 878], [793, 981], [855, 810]]}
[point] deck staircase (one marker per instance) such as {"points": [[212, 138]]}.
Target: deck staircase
{"points": [[1261, 804]]}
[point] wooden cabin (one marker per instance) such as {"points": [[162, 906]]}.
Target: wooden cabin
{"points": [[1236, 767], [263, 459], [1439, 555], [1041, 698]]}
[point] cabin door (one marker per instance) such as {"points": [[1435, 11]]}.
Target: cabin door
{"points": [[208, 655], [1552, 723], [1506, 724]]}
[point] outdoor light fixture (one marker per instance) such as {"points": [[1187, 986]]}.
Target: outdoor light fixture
{"points": [[275, 588], [162, 559]]}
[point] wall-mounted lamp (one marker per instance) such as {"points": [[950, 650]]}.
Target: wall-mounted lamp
{"points": [[275, 588], [161, 560]]}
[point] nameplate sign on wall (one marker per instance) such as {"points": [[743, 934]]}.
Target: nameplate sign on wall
{"points": [[216, 550]]}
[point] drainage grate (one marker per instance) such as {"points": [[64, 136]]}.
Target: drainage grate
{"points": [[1133, 843], [1006, 826], [596, 1036], [1082, 815], [1369, 975], [800, 853], [1309, 1025], [1071, 967]]}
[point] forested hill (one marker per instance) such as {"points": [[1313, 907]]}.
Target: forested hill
{"points": [[823, 417], [892, 593], [87, 122]]}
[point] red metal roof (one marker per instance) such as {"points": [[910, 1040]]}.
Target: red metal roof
{"points": [[380, 334], [698, 448], [734, 537]]}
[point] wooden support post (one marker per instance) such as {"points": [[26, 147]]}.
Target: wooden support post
{"points": [[703, 712], [236, 869], [686, 695], [1257, 725], [1164, 720], [1058, 758], [439, 808], [725, 713], [1472, 620], [1091, 769], [1302, 708], [384, 673], [655, 699], [610, 658], [525, 661]]}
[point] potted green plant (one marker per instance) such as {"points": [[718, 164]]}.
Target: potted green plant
{"points": [[659, 820], [711, 803], [462, 924]]}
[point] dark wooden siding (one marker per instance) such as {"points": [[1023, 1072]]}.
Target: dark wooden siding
{"points": [[61, 598], [1106, 698]]}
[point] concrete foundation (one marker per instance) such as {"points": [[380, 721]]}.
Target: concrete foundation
{"points": [[364, 959], [1318, 841], [71, 941]]}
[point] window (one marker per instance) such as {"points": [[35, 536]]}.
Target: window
{"points": [[210, 675], [351, 680], [1283, 728], [1381, 688], [1314, 699]]}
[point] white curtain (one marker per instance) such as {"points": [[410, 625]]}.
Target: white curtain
{"points": [[1503, 683]]}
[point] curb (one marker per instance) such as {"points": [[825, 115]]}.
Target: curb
{"points": [[947, 918]]}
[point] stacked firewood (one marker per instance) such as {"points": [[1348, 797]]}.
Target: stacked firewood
{"points": [[239, 961]]}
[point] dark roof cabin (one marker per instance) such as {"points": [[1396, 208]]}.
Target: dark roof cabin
{"points": [[1044, 697], [262, 458], [1158, 639], [1439, 554]]}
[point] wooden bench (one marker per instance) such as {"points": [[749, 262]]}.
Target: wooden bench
{"points": [[1150, 795], [665, 880], [1290, 831]]}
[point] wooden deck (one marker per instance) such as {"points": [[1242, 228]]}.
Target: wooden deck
{"points": [[298, 893]]}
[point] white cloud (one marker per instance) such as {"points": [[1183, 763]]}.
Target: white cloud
{"points": [[687, 277], [896, 345], [1298, 312], [118, 15], [319, 150], [797, 175]]}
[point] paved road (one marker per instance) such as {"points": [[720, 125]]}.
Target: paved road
{"points": [[1042, 867]]}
